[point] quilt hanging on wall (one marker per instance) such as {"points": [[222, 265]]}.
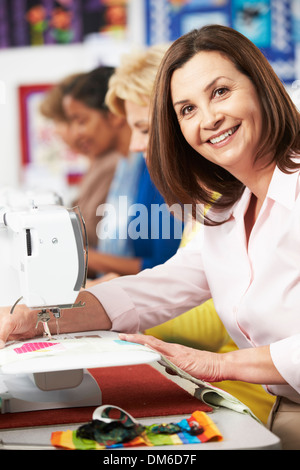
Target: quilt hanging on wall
{"points": [[42, 22], [273, 25]]}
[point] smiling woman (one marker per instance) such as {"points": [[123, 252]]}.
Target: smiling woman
{"points": [[234, 88]]}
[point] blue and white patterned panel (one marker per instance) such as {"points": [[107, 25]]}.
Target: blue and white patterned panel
{"points": [[270, 24]]}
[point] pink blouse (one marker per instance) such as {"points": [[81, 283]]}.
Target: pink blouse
{"points": [[255, 288]]}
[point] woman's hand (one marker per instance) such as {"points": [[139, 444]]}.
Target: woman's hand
{"points": [[202, 365], [252, 365], [21, 324]]}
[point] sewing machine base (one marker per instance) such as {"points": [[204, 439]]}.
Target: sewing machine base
{"points": [[49, 390]]}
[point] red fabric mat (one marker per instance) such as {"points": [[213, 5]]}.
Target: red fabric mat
{"points": [[140, 390]]}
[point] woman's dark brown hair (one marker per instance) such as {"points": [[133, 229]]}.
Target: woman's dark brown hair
{"points": [[179, 172], [90, 88]]}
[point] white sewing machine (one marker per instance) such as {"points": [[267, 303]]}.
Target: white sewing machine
{"points": [[43, 252]]}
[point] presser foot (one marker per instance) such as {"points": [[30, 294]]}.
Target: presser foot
{"points": [[43, 317]]}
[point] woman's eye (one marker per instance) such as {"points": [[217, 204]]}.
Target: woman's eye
{"points": [[220, 91], [186, 110]]}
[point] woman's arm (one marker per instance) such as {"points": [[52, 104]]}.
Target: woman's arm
{"points": [[102, 262], [22, 323], [252, 365], [128, 304]]}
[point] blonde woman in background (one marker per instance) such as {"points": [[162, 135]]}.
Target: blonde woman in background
{"points": [[129, 95]]}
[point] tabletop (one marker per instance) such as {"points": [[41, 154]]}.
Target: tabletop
{"points": [[240, 431]]}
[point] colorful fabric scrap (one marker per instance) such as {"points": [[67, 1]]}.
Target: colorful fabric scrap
{"points": [[196, 429]]}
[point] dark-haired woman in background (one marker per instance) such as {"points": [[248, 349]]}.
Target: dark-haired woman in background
{"points": [[99, 134]]}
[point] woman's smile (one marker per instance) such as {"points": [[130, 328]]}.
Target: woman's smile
{"points": [[223, 137]]}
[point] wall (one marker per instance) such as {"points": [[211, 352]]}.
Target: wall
{"points": [[27, 66], [48, 64], [32, 65]]}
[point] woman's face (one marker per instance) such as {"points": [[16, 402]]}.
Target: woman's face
{"points": [[93, 132], [139, 122], [218, 111], [62, 129]]}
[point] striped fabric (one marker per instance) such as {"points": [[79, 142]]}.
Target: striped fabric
{"points": [[69, 440]]}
